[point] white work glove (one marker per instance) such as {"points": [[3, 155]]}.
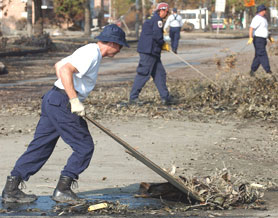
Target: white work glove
{"points": [[77, 107]]}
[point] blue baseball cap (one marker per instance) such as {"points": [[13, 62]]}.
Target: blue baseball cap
{"points": [[113, 33], [175, 10], [261, 8]]}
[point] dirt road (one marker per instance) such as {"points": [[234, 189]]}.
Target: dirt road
{"points": [[197, 146]]}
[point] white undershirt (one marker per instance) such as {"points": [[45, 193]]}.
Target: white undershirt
{"points": [[260, 26]]}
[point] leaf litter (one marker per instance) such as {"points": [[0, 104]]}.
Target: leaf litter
{"points": [[241, 97]]}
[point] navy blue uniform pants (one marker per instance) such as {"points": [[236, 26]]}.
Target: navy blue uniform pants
{"points": [[261, 57], [57, 121], [175, 37], [149, 65]]}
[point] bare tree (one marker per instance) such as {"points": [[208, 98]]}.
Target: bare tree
{"points": [[29, 17], [87, 27], [101, 14], [143, 10], [38, 24]]}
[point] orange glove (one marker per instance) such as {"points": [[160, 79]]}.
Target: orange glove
{"points": [[271, 39], [166, 46]]}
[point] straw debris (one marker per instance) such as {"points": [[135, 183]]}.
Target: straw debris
{"points": [[221, 191]]}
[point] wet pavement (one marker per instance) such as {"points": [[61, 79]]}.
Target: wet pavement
{"points": [[44, 205]]}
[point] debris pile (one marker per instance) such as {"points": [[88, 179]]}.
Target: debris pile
{"points": [[220, 191], [240, 97], [42, 41], [273, 49]]}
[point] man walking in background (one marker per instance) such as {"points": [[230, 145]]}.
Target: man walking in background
{"points": [[175, 23], [258, 34]]}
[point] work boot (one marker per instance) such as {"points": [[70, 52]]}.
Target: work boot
{"points": [[135, 101], [169, 101], [252, 73], [63, 192], [12, 194]]}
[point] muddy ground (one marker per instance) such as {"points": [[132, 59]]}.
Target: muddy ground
{"points": [[197, 144]]}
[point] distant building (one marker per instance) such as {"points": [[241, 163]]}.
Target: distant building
{"points": [[13, 13]]}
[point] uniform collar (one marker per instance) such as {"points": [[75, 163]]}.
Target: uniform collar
{"points": [[156, 14]]}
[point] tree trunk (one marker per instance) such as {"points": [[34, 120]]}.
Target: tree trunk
{"points": [[143, 11], [137, 19], [29, 17], [38, 25], [87, 27], [101, 14]]}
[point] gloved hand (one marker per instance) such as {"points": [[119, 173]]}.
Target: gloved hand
{"points": [[250, 41], [77, 107], [271, 39], [166, 46]]}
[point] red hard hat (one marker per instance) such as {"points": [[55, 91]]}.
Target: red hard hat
{"points": [[162, 6]]}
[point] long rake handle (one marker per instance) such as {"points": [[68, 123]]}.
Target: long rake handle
{"points": [[148, 162], [194, 68]]}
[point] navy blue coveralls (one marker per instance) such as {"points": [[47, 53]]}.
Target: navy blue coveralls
{"points": [[149, 48], [57, 120], [260, 54]]}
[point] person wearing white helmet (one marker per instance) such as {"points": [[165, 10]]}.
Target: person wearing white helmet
{"points": [[149, 48]]}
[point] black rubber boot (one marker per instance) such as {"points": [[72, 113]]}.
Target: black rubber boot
{"points": [[12, 194], [252, 73], [169, 101], [135, 101], [63, 192]]}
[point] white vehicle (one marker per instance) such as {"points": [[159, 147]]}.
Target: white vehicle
{"points": [[193, 16]]}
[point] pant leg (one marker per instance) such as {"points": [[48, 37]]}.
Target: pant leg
{"points": [[172, 37], [73, 130], [261, 56], [159, 78], [144, 69], [176, 38], [57, 120], [39, 150]]}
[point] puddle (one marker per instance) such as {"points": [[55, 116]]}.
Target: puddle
{"points": [[44, 204]]}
